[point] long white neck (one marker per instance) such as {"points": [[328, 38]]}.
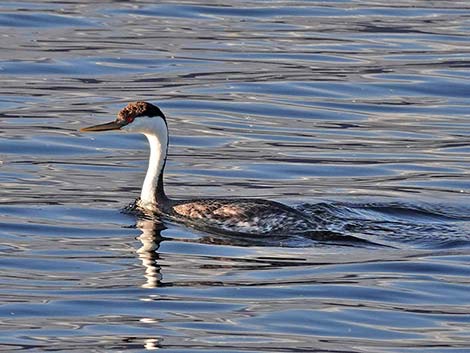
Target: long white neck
{"points": [[158, 151], [156, 131]]}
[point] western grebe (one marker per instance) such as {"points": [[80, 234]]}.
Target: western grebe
{"points": [[235, 216]]}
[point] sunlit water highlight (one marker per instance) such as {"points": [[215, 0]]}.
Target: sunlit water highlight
{"points": [[356, 112]]}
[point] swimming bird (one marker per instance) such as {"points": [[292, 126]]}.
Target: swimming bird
{"points": [[218, 215]]}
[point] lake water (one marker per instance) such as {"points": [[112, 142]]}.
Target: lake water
{"points": [[356, 111]]}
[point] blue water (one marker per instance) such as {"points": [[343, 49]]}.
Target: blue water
{"points": [[356, 112]]}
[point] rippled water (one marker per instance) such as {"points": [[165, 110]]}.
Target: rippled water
{"points": [[356, 111]]}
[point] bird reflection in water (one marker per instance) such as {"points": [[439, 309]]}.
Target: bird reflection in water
{"points": [[151, 239], [148, 252]]}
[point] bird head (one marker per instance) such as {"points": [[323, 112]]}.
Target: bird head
{"points": [[135, 117]]}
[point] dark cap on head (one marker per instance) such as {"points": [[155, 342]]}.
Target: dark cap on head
{"points": [[136, 109]]}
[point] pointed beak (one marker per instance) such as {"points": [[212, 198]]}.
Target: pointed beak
{"points": [[113, 125]]}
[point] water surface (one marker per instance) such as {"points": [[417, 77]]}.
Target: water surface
{"points": [[354, 111]]}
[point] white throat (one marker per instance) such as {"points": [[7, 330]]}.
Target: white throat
{"points": [[156, 160], [156, 131]]}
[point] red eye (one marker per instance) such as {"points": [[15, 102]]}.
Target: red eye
{"points": [[130, 119]]}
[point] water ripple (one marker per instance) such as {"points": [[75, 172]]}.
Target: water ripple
{"points": [[355, 112]]}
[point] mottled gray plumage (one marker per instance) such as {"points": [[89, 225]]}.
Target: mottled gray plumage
{"points": [[250, 216]]}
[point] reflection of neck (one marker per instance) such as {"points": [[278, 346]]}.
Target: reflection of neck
{"points": [[148, 254], [153, 193]]}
